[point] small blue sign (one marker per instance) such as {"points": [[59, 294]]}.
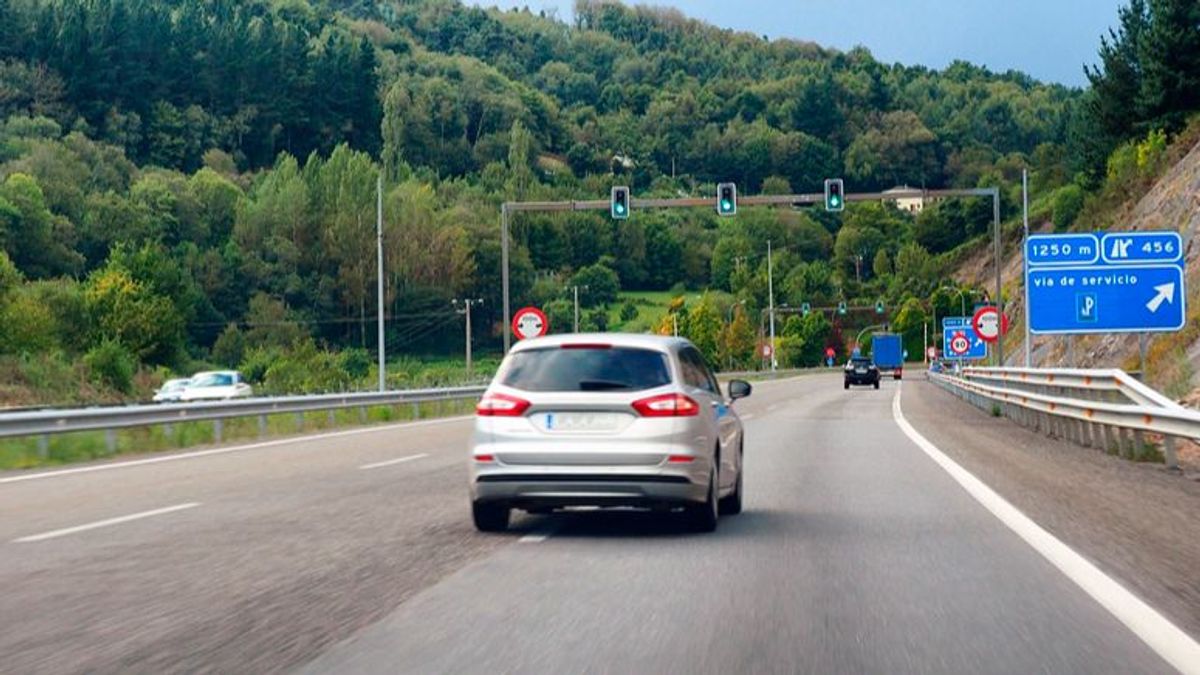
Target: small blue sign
{"points": [[962, 343], [1119, 248], [955, 321]]}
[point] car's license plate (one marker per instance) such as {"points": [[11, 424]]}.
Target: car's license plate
{"points": [[860, 371], [581, 421]]}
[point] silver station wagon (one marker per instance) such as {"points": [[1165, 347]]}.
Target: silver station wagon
{"points": [[606, 420]]}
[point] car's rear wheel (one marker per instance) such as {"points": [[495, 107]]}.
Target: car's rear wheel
{"points": [[846, 384], [876, 384], [732, 505], [490, 517], [703, 517]]}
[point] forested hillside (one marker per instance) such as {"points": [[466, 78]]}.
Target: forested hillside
{"points": [[192, 182]]}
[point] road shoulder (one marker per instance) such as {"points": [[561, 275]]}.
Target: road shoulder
{"points": [[1135, 521]]}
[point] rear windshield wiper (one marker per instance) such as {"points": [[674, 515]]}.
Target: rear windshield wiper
{"points": [[602, 385]]}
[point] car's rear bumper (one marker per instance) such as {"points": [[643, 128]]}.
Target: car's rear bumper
{"points": [[551, 487], [862, 379]]}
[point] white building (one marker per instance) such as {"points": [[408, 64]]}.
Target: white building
{"points": [[913, 204]]}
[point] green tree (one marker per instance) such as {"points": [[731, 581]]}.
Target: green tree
{"points": [[703, 326], [882, 264], [602, 282], [127, 311]]}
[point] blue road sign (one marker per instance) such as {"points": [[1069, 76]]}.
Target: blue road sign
{"points": [[961, 342], [1130, 282], [955, 321]]}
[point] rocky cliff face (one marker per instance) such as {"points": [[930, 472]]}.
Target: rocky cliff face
{"points": [[1173, 203]]}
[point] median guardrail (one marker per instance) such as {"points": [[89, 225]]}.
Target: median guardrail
{"points": [[43, 423], [1105, 408]]}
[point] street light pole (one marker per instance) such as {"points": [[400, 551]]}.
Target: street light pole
{"points": [[466, 309], [729, 322], [999, 281], [771, 303], [379, 284], [575, 289], [1025, 263], [504, 275]]}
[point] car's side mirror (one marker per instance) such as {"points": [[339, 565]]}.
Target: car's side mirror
{"points": [[739, 389]]}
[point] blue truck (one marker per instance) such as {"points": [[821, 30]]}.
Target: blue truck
{"points": [[887, 350]]}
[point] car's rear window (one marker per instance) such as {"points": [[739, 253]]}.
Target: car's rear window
{"points": [[861, 362], [588, 369]]}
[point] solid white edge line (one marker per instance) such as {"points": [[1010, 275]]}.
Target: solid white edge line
{"points": [[391, 462], [1163, 637], [104, 523], [222, 451]]}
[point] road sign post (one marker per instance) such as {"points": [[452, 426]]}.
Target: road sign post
{"points": [[1114, 282]]}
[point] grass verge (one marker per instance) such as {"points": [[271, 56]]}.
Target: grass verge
{"points": [[59, 449]]}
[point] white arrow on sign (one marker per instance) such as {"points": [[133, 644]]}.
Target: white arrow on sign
{"points": [[1166, 293]]}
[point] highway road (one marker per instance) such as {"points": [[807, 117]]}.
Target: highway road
{"points": [[354, 552]]}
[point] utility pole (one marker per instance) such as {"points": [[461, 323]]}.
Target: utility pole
{"points": [[466, 309], [379, 274], [575, 289], [771, 304], [1025, 264]]}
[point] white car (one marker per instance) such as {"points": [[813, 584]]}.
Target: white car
{"points": [[611, 421], [217, 385], [172, 390]]}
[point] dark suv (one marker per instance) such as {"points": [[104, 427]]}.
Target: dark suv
{"points": [[861, 370]]}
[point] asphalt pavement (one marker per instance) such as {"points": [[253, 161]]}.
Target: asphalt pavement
{"points": [[355, 553]]}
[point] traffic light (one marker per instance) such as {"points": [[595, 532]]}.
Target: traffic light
{"points": [[879, 307], [727, 199], [805, 308], [842, 308], [620, 203], [835, 197]]}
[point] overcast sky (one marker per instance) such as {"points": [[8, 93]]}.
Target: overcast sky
{"points": [[1049, 39]]}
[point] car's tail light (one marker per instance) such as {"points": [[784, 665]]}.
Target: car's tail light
{"points": [[485, 459], [667, 405], [501, 405], [680, 459]]}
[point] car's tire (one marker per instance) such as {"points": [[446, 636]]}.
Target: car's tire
{"points": [[846, 384], [490, 516], [732, 505], [876, 384], [703, 517]]}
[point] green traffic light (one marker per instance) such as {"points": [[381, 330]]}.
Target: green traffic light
{"points": [[620, 208], [834, 201], [726, 205]]}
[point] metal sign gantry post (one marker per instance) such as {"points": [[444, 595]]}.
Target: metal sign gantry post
{"points": [[509, 208]]}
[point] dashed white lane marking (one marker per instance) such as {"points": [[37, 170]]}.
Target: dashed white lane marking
{"points": [[747, 417], [222, 451], [1165, 638], [104, 523], [392, 462]]}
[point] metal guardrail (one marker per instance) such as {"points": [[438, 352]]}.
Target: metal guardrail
{"points": [[1094, 408], [43, 423]]}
